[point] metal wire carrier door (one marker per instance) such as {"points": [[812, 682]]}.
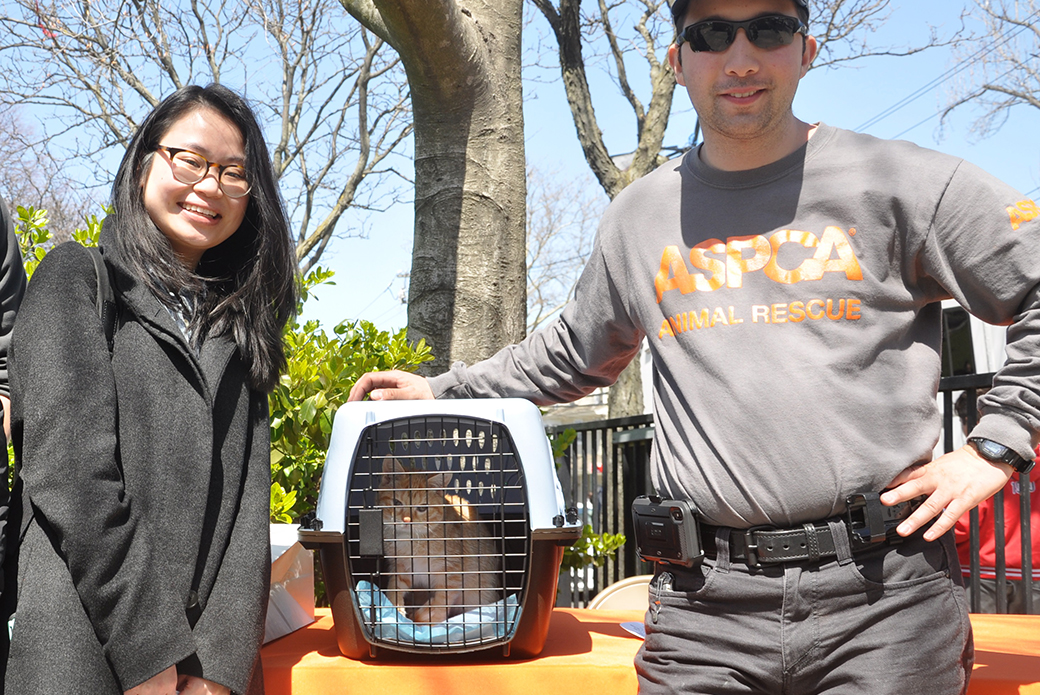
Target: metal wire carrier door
{"points": [[438, 533]]}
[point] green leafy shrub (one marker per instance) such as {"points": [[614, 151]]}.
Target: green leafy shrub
{"points": [[88, 236], [281, 504], [592, 549], [30, 225], [35, 240], [322, 369], [560, 442]]}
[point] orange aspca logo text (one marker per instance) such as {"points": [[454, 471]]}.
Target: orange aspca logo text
{"points": [[747, 254], [1022, 211], [842, 309]]}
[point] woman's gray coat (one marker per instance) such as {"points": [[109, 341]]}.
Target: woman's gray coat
{"points": [[145, 479]]}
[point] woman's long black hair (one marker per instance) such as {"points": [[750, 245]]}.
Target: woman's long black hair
{"points": [[247, 285]]}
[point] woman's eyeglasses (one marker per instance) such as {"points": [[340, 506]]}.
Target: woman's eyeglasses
{"points": [[716, 35], [190, 167]]}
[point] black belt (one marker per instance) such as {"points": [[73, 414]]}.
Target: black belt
{"points": [[867, 522]]}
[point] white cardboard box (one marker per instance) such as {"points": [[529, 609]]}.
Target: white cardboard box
{"points": [[291, 605]]}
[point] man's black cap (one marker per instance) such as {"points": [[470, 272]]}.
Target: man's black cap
{"points": [[679, 10]]}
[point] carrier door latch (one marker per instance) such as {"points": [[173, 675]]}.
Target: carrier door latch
{"points": [[370, 532]]}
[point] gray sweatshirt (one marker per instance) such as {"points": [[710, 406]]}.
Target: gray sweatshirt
{"points": [[793, 317]]}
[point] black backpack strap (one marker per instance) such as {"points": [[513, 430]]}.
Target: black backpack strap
{"points": [[106, 297]]}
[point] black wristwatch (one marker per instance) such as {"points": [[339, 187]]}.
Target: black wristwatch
{"points": [[998, 453]]}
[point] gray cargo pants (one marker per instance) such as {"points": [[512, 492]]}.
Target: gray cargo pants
{"points": [[892, 619]]}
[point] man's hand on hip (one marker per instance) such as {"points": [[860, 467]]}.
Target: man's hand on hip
{"points": [[955, 483], [391, 386]]}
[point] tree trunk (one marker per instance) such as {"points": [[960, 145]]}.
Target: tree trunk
{"points": [[468, 281], [567, 25], [626, 395]]}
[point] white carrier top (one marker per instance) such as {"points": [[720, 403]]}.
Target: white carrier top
{"points": [[521, 418]]}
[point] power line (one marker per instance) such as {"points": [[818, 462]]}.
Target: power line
{"points": [[378, 296], [938, 113], [915, 125], [583, 258], [393, 311], [958, 68]]}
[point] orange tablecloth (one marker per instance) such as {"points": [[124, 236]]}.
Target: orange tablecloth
{"points": [[586, 650]]}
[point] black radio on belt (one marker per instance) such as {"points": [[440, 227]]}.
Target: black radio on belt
{"points": [[666, 531]]}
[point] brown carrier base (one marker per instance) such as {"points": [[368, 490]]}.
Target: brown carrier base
{"points": [[527, 642]]}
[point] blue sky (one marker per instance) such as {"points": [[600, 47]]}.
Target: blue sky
{"points": [[367, 269]]}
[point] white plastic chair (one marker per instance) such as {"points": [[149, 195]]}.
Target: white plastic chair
{"points": [[630, 593]]}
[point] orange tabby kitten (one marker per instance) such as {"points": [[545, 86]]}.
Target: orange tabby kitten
{"points": [[441, 560]]}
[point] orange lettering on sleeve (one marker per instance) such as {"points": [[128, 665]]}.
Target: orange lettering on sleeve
{"points": [[1022, 211]]}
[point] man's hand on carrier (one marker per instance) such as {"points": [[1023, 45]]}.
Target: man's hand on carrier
{"points": [[955, 483], [391, 386]]}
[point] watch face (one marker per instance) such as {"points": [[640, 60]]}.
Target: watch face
{"points": [[991, 449], [995, 451]]}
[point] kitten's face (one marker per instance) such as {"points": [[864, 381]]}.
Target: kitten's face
{"points": [[411, 497]]}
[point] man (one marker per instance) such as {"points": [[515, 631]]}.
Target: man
{"points": [[788, 278]]}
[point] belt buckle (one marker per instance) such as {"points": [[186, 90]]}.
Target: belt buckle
{"points": [[865, 519], [751, 546]]}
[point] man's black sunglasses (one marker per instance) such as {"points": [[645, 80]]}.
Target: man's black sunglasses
{"points": [[715, 35]]}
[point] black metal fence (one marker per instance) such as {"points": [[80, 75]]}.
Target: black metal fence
{"points": [[607, 466]]}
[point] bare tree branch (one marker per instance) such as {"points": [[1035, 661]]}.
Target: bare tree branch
{"points": [[436, 32], [1006, 72], [843, 29], [366, 162], [32, 178], [619, 61], [365, 12], [561, 223], [566, 22], [335, 101]]}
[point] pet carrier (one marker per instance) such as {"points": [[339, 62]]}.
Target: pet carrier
{"points": [[440, 527]]}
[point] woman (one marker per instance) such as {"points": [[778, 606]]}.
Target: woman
{"points": [[144, 471]]}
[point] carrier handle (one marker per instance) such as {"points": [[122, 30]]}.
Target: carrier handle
{"points": [[314, 540]]}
